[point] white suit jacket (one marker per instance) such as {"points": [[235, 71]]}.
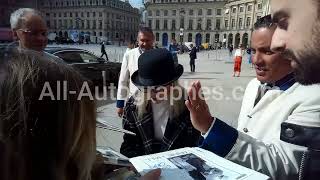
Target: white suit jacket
{"points": [[129, 65], [258, 145]]}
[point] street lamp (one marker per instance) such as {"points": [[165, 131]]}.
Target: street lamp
{"points": [[181, 13], [80, 35]]}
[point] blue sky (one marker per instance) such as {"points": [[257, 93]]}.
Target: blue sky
{"points": [[136, 3]]}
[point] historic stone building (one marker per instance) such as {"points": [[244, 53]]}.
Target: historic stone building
{"points": [[217, 22], [92, 20]]}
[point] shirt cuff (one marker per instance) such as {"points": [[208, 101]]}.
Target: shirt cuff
{"points": [[220, 138], [205, 135], [120, 103]]}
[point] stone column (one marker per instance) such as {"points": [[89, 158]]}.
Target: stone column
{"points": [[236, 24]]}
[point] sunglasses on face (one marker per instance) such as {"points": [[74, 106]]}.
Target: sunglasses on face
{"points": [[34, 33]]}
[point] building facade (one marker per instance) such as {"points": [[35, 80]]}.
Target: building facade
{"points": [[8, 6], [94, 20], [217, 22]]}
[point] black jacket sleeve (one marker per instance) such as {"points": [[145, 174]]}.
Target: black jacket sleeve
{"points": [[132, 146], [193, 53]]}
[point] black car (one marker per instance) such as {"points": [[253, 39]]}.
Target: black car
{"points": [[88, 64]]}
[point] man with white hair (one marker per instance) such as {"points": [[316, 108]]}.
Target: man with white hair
{"points": [[29, 28]]}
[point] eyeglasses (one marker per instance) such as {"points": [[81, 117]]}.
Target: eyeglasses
{"points": [[34, 33]]}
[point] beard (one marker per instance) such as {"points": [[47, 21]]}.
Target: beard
{"points": [[306, 63], [307, 67]]}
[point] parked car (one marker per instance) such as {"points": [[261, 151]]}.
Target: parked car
{"points": [[88, 64], [63, 40], [5, 35]]}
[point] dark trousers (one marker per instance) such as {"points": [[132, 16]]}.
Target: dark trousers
{"points": [[192, 65], [104, 53]]}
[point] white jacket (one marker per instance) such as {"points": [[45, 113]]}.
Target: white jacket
{"points": [[258, 145], [128, 67]]}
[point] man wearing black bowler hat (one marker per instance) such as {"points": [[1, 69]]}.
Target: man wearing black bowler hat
{"points": [[156, 112]]}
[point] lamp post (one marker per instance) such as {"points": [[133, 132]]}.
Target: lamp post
{"points": [[80, 38], [181, 13]]}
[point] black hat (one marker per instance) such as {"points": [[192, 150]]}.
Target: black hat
{"points": [[156, 67]]}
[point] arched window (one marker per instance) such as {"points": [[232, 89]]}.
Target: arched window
{"points": [[189, 37], [208, 38], [165, 12]]}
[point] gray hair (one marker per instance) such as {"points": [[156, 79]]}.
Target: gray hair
{"points": [[17, 17]]}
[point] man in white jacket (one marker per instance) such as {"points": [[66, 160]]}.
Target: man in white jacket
{"points": [[130, 64], [273, 103], [297, 37]]}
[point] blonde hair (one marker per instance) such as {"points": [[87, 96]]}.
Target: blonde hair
{"points": [[43, 139], [142, 101]]}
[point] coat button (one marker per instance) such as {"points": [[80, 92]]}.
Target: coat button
{"points": [[245, 130], [289, 132]]}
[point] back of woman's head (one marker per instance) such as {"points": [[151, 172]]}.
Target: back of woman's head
{"points": [[45, 131]]}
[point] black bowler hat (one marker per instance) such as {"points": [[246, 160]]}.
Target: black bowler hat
{"points": [[156, 67]]}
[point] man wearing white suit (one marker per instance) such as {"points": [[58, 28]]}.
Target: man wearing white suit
{"points": [[129, 65], [273, 104]]}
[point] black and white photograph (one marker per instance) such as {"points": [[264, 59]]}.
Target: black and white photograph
{"points": [[197, 167]]}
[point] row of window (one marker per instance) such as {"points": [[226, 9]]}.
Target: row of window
{"points": [[182, 12], [209, 12], [249, 8], [109, 15], [110, 35], [207, 37], [113, 3], [169, 1], [239, 23], [70, 24], [208, 25]]}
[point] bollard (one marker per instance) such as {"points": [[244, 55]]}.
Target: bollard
{"points": [[104, 78], [216, 54]]}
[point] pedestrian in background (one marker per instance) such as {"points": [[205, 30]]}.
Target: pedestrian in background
{"points": [[103, 51], [173, 48], [237, 61], [193, 57], [230, 50], [249, 57]]}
